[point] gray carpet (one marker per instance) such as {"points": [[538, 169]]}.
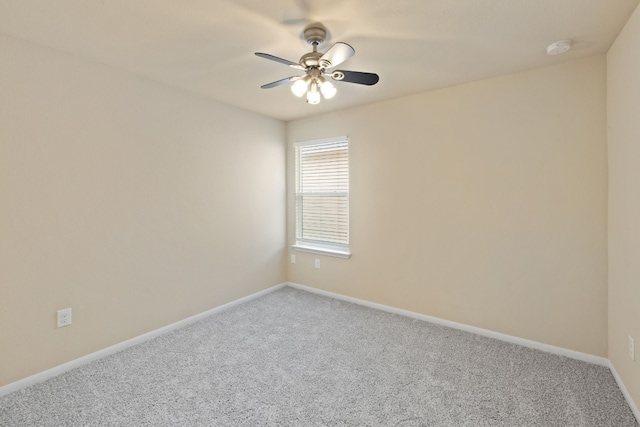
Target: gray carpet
{"points": [[292, 358]]}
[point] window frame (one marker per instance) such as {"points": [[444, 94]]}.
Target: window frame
{"points": [[311, 245]]}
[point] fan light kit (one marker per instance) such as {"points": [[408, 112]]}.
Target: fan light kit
{"points": [[559, 47], [316, 66]]}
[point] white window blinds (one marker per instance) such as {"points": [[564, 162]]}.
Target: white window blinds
{"points": [[322, 192]]}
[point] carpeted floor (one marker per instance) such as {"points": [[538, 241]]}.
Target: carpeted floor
{"points": [[292, 358]]}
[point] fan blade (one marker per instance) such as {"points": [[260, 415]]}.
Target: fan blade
{"points": [[279, 82], [359, 77], [337, 54], [280, 60]]}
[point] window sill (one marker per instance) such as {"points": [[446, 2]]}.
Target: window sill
{"points": [[339, 253]]}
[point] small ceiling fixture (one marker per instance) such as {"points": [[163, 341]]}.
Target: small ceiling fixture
{"points": [[316, 64], [559, 47]]}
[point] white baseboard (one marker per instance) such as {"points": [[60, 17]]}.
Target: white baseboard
{"points": [[585, 357], [625, 392], [60, 369]]}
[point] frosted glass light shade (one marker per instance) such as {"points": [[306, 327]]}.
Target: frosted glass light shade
{"points": [[328, 90], [299, 88], [313, 95]]}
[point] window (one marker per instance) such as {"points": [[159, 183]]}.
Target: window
{"points": [[322, 196]]}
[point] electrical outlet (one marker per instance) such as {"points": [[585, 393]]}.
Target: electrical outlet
{"points": [[317, 263], [64, 317], [632, 351], [293, 258]]}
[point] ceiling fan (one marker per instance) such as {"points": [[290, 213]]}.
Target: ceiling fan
{"points": [[316, 66]]}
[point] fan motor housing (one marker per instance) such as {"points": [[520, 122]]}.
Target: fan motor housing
{"points": [[311, 59]]}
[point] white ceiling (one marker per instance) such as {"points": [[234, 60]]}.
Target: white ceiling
{"points": [[207, 46]]}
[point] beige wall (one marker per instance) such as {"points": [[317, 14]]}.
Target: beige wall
{"points": [[484, 204], [132, 202], [623, 110]]}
